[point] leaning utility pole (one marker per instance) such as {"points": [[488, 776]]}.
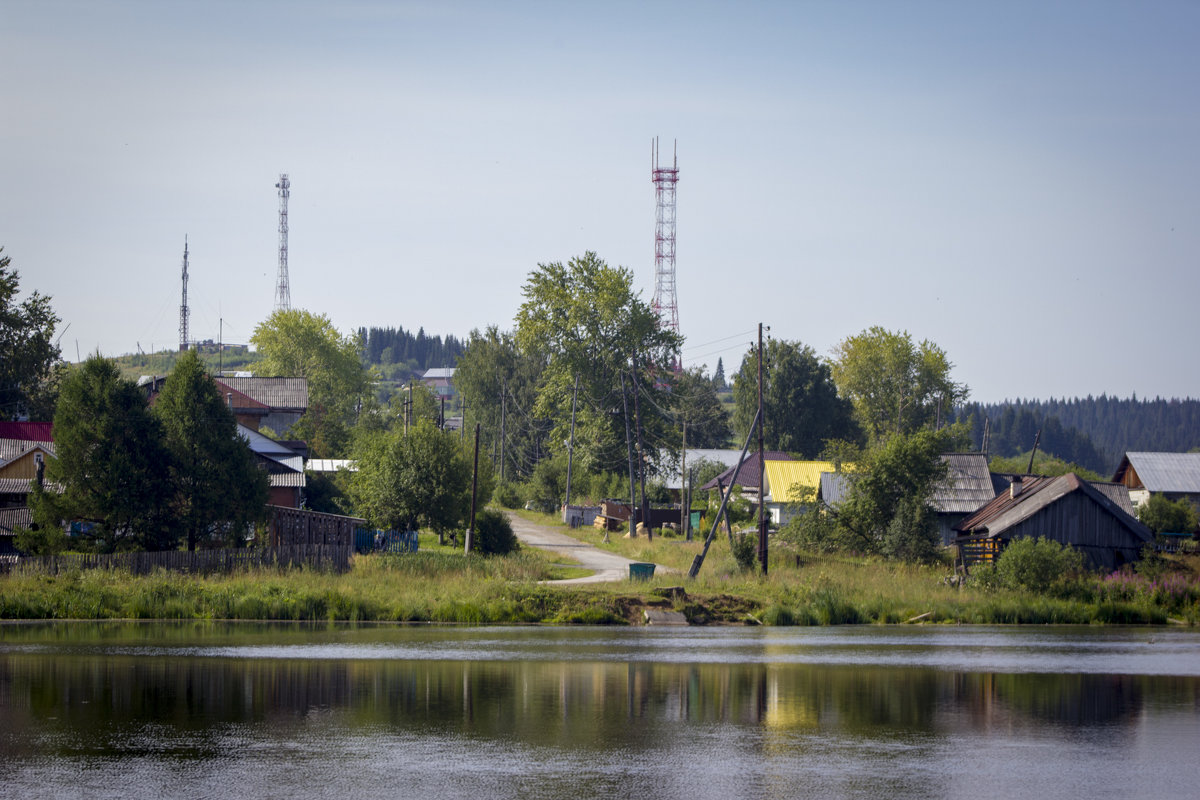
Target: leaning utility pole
{"points": [[698, 561]]}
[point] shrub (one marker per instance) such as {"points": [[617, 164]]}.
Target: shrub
{"points": [[745, 550], [493, 534], [1037, 564], [508, 495]]}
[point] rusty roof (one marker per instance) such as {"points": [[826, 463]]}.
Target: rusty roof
{"points": [[1005, 511], [289, 394]]}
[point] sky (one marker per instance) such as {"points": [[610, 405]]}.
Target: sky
{"points": [[1017, 182]]}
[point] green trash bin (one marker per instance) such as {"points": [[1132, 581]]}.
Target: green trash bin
{"points": [[641, 572]]}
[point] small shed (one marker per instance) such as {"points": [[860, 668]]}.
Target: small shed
{"points": [[1066, 509]]}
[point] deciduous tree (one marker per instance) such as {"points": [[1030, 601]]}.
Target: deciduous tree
{"points": [[29, 357], [894, 383], [800, 402], [299, 344], [583, 319], [418, 480]]}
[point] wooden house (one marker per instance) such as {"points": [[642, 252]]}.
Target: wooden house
{"points": [[1174, 475], [1066, 509]]}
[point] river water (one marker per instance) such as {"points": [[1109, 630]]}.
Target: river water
{"points": [[216, 710]]}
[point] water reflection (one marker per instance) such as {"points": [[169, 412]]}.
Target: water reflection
{"points": [[144, 697]]}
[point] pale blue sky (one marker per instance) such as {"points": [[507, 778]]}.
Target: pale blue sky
{"points": [[1018, 182]]}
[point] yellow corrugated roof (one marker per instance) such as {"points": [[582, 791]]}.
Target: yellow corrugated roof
{"points": [[785, 478]]}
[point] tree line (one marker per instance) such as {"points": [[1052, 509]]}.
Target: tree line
{"points": [[1091, 431], [417, 352]]}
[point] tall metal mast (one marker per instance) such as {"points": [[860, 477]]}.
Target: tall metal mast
{"points": [[184, 311], [283, 291], [664, 179]]}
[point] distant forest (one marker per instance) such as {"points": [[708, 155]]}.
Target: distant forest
{"points": [[1093, 432], [401, 354]]}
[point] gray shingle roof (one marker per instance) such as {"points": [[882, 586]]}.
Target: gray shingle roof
{"points": [[10, 518], [968, 484], [1164, 472]]}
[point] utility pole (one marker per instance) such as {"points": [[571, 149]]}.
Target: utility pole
{"points": [[698, 561], [571, 443], [442, 416], [629, 449], [462, 429], [641, 454], [470, 537], [762, 464], [685, 508], [503, 414]]}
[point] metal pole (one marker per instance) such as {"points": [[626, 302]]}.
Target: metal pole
{"points": [[474, 488]]}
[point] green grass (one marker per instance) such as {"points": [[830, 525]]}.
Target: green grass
{"points": [[441, 585]]}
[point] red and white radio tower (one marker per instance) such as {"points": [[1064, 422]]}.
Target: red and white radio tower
{"points": [[664, 179]]}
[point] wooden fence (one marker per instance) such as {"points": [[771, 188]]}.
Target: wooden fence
{"points": [[334, 558]]}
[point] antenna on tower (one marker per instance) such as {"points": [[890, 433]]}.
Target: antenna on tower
{"points": [[664, 179], [283, 291], [184, 311]]}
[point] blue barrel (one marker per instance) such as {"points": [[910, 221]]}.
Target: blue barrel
{"points": [[641, 572]]}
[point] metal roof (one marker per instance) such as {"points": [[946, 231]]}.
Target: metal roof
{"points": [[330, 465], [28, 431], [1162, 472], [11, 449], [1006, 511], [435, 373], [786, 479], [835, 488], [277, 393], [747, 476], [968, 484]]}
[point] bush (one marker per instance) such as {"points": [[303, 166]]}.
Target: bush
{"points": [[745, 550], [1037, 564], [493, 534], [508, 495]]}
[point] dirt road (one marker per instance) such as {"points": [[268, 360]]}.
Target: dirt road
{"points": [[608, 566]]}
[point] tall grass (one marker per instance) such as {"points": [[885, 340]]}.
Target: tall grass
{"points": [[448, 587]]}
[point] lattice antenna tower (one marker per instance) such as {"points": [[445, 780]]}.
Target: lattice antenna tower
{"points": [[664, 179], [283, 290], [184, 311]]}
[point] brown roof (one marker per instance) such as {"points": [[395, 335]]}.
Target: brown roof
{"points": [[748, 475], [1037, 493], [290, 394]]}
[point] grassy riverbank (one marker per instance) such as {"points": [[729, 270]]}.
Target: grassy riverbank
{"points": [[440, 585]]}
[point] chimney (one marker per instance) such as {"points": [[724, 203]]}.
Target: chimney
{"points": [[1015, 487]]}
